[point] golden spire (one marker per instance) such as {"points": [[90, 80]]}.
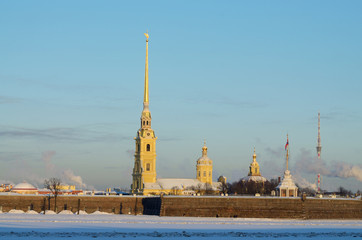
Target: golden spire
{"points": [[204, 149], [145, 99], [254, 156]]}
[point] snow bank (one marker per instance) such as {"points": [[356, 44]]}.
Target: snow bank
{"points": [[100, 213], [32, 212], [81, 212], [16, 211], [50, 212], [66, 212]]}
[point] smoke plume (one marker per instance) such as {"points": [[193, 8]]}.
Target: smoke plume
{"points": [[47, 159], [309, 164], [344, 170], [69, 175], [66, 175], [304, 183]]}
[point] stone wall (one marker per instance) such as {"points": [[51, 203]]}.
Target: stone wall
{"points": [[196, 206], [244, 207], [90, 204]]}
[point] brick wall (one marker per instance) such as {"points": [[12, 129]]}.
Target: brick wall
{"points": [[198, 206], [115, 204], [244, 207]]}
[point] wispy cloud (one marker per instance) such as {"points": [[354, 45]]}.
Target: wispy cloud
{"points": [[338, 114], [9, 100], [223, 100], [62, 134]]}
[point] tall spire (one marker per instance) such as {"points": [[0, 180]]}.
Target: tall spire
{"points": [[145, 98], [287, 147], [146, 114], [319, 146]]}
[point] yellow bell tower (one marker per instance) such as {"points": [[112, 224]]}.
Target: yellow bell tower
{"points": [[144, 170], [204, 167], [254, 169]]}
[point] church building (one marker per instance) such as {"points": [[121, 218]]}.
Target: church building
{"points": [[254, 172], [144, 177]]}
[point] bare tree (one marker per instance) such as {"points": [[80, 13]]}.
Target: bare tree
{"points": [[175, 190], [209, 190], [53, 184]]}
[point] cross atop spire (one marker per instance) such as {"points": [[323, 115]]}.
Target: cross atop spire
{"points": [[204, 149], [254, 156]]}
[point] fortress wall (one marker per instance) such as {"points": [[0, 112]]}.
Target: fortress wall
{"points": [[115, 204], [244, 207], [198, 206]]}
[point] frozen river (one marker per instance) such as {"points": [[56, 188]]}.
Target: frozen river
{"points": [[107, 226]]}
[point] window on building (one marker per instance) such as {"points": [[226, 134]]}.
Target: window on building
{"points": [[199, 174], [138, 147], [147, 123], [148, 147], [148, 166], [210, 174], [143, 122], [256, 170], [204, 173]]}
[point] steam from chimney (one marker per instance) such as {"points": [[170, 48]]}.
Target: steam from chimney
{"points": [[344, 170], [69, 175], [309, 164], [47, 159], [304, 183]]}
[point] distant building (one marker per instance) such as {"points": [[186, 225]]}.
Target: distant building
{"points": [[6, 187], [24, 188], [254, 172], [67, 187]]}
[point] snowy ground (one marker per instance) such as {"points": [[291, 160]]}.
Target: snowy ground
{"points": [[108, 226]]}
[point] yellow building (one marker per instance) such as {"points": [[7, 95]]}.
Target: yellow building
{"points": [[254, 172], [144, 170], [66, 187], [204, 167], [144, 179]]}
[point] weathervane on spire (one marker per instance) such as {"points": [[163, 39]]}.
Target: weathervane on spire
{"points": [[147, 36]]}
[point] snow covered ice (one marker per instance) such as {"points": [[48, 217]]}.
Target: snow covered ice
{"points": [[20, 225]]}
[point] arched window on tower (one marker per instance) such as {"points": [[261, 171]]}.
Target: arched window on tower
{"points": [[199, 174], [147, 123], [204, 173], [210, 174], [148, 147], [148, 167]]}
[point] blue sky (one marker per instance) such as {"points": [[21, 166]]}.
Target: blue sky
{"points": [[238, 74]]}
